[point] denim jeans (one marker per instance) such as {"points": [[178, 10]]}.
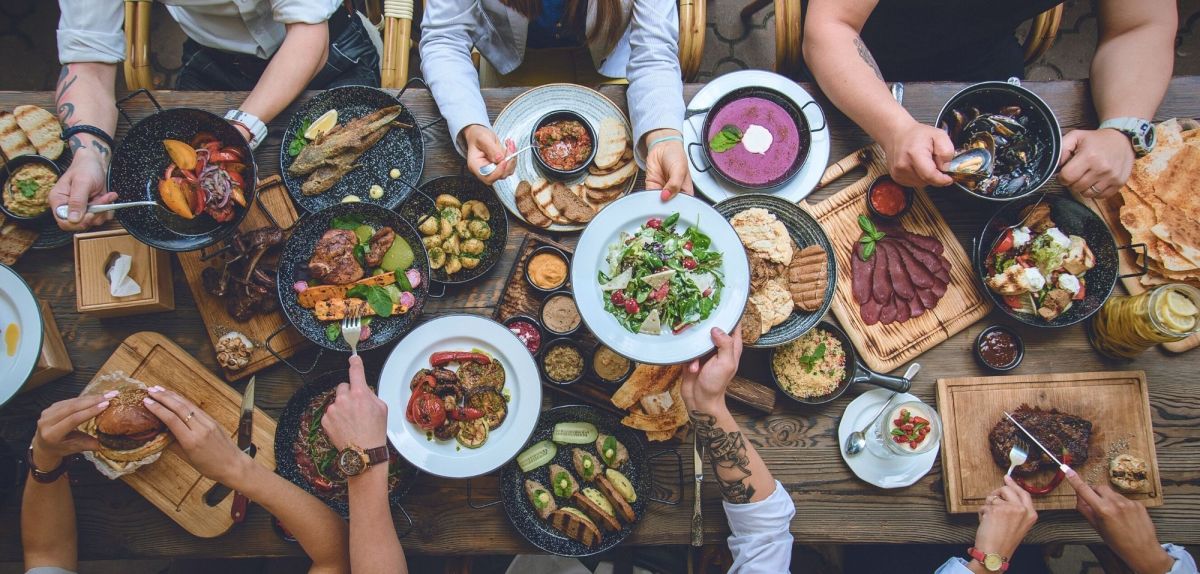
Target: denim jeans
{"points": [[352, 60]]}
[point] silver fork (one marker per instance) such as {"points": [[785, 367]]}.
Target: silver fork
{"points": [[1017, 456], [352, 329]]}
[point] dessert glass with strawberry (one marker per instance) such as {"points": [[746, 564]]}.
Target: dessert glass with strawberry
{"points": [[909, 429]]}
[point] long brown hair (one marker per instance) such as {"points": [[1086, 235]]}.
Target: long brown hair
{"points": [[610, 18]]}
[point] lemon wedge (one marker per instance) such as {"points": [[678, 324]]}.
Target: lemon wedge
{"points": [[322, 125]]}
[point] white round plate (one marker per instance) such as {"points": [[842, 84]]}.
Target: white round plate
{"points": [[516, 121], [19, 307], [882, 472], [718, 189], [461, 333], [626, 215]]}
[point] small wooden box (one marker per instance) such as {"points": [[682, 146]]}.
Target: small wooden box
{"points": [[151, 269], [53, 362]]}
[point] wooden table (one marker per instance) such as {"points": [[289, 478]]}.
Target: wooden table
{"points": [[798, 443]]}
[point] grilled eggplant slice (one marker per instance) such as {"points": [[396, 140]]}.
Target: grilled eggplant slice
{"points": [[577, 525]]}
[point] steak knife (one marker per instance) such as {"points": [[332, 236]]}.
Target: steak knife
{"points": [[1061, 466], [697, 520], [245, 433]]}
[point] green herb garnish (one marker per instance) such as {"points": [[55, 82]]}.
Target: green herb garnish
{"points": [[298, 141], [375, 296], [725, 139], [810, 360], [870, 237], [28, 187], [333, 331], [349, 222]]}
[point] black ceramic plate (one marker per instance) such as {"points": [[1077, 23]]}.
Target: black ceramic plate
{"points": [[288, 430], [1073, 218], [805, 231], [293, 267], [465, 188], [401, 149], [138, 163], [520, 511]]}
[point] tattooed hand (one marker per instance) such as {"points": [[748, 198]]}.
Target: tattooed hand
{"points": [[705, 381], [82, 184], [85, 182]]}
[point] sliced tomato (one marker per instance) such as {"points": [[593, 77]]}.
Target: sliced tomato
{"points": [[199, 198], [226, 155], [1024, 260], [1005, 243], [235, 167], [1082, 291], [236, 178], [212, 146], [201, 139], [1013, 301]]}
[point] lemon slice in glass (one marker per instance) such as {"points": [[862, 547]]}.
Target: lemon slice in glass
{"points": [[1180, 304], [1170, 309], [322, 125]]}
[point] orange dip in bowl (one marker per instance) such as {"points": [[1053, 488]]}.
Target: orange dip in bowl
{"points": [[547, 270]]}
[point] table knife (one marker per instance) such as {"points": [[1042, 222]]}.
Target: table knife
{"points": [[697, 520], [245, 433], [1061, 466]]}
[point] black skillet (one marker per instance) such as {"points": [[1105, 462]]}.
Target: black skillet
{"points": [[293, 267], [1073, 218], [856, 372], [139, 161], [541, 534], [288, 430], [402, 149], [465, 188]]}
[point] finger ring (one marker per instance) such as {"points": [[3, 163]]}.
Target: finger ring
{"points": [[1094, 190], [189, 417]]}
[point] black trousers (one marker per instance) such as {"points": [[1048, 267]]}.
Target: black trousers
{"points": [[352, 61]]}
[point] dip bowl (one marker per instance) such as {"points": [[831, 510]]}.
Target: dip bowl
{"points": [[540, 162], [790, 132], [10, 167]]}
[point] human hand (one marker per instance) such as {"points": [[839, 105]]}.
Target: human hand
{"points": [[916, 154], [206, 445], [1123, 524], [356, 416], [57, 437], [483, 147], [667, 165], [1004, 520], [1095, 163], [705, 381], [84, 183]]}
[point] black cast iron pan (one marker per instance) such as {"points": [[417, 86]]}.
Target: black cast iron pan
{"points": [[856, 372], [419, 205]]}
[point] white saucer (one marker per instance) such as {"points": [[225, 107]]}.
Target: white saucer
{"points": [[882, 472], [718, 189]]}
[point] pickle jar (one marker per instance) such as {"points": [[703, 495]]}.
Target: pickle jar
{"points": [[1127, 325]]}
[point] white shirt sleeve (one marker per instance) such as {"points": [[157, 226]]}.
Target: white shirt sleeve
{"points": [[1184, 563], [655, 94], [91, 31], [446, 64], [760, 539], [955, 565], [303, 11]]}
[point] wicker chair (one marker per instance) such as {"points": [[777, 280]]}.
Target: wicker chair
{"points": [[789, 28]]}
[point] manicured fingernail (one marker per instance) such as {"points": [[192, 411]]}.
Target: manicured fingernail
{"points": [[155, 389], [111, 394], [103, 405], [665, 195], [1067, 470], [73, 217], [148, 401]]}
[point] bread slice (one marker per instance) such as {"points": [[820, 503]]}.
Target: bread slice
{"points": [[42, 129], [597, 514], [571, 205], [610, 492], [613, 179], [574, 524], [13, 141], [613, 140], [15, 240], [528, 207]]}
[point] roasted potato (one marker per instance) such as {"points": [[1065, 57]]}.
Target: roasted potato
{"points": [[446, 200], [428, 225], [472, 247], [479, 229], [468, 261], [451, 214], [462, 229], [431, 241], [453, 265], [452, 246], [445, 228], [437, 258], [476, 209]]}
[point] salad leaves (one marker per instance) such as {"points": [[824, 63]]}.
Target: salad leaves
{"points": [[661, 277]]}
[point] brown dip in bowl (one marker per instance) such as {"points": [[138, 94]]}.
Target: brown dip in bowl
{"points": [[560, 315], [610, 367]]}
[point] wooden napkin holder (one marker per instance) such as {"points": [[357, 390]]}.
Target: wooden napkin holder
{"points": [[151, 269], [53, 362]]}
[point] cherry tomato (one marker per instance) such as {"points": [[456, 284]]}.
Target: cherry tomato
{"points": [[617, 297], [688, 245], [654, 223], [631, 306], [429, 412], [689, 263]]}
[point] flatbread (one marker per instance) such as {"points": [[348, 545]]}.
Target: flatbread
{"points": [[774, 303], [613, 138], [762, 232], [645, 380], [807, 277]]}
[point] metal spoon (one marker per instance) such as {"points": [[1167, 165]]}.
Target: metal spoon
{"points": [[491, 167], [62, 211], [858, 439]]}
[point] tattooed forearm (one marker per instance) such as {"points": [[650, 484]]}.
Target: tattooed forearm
{"points": [[728, 457], [66, 110], [865, 54]]}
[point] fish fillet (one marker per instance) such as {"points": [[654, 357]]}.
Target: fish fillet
{"points": [[355, 137]]}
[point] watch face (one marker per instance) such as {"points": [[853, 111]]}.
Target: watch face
{"points": [[351, 462], [993, 562]]}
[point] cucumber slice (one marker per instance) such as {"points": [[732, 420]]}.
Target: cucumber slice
{"points": [[536, 455], [575, 433], [398, 257], [364, 233]]}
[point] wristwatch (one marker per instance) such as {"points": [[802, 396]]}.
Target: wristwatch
{"points": [[45, 477], [256, 127], [353, 461], [991, 562], [1140, 132]]}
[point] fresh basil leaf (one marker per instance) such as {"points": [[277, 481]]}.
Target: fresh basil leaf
{"points": [[868, 251], [402, 281], [375, 296], [298, 142], [810, 360], [866, 239], [349, 222], [867, 225], [726, 139]]}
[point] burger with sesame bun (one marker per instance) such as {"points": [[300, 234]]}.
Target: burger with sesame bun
{"points": [[127, 430]]}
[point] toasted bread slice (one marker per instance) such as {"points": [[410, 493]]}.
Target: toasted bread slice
{"points": [[576, 525], [613, 141], [598, 515], [570, 205], [15, 240], [624, 510], [13, 141], [600, 197], [528, 206], [42, 129], [613, 179]]}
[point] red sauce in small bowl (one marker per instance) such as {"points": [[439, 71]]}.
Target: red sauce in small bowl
{"points": [[527, 333], [888, 198]]}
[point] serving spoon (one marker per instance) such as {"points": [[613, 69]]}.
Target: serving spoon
{"points": [[858, 439], [62, 211], [491, 167]]}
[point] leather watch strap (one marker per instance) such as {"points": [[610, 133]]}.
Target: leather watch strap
{"points": [[45, 477], [377, 455]]}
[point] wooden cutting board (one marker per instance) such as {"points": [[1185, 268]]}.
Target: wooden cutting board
{"points": [[886, 347], [1117, 403], [1109, 209], [170, 483], [273, 197]]}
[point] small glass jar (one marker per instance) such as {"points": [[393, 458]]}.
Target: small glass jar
{"points": [[1127, 325], [883, 443]]}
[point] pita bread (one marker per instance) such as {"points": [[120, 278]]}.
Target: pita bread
{"points": [[645, 380], [761, 232], [613, 139]]}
